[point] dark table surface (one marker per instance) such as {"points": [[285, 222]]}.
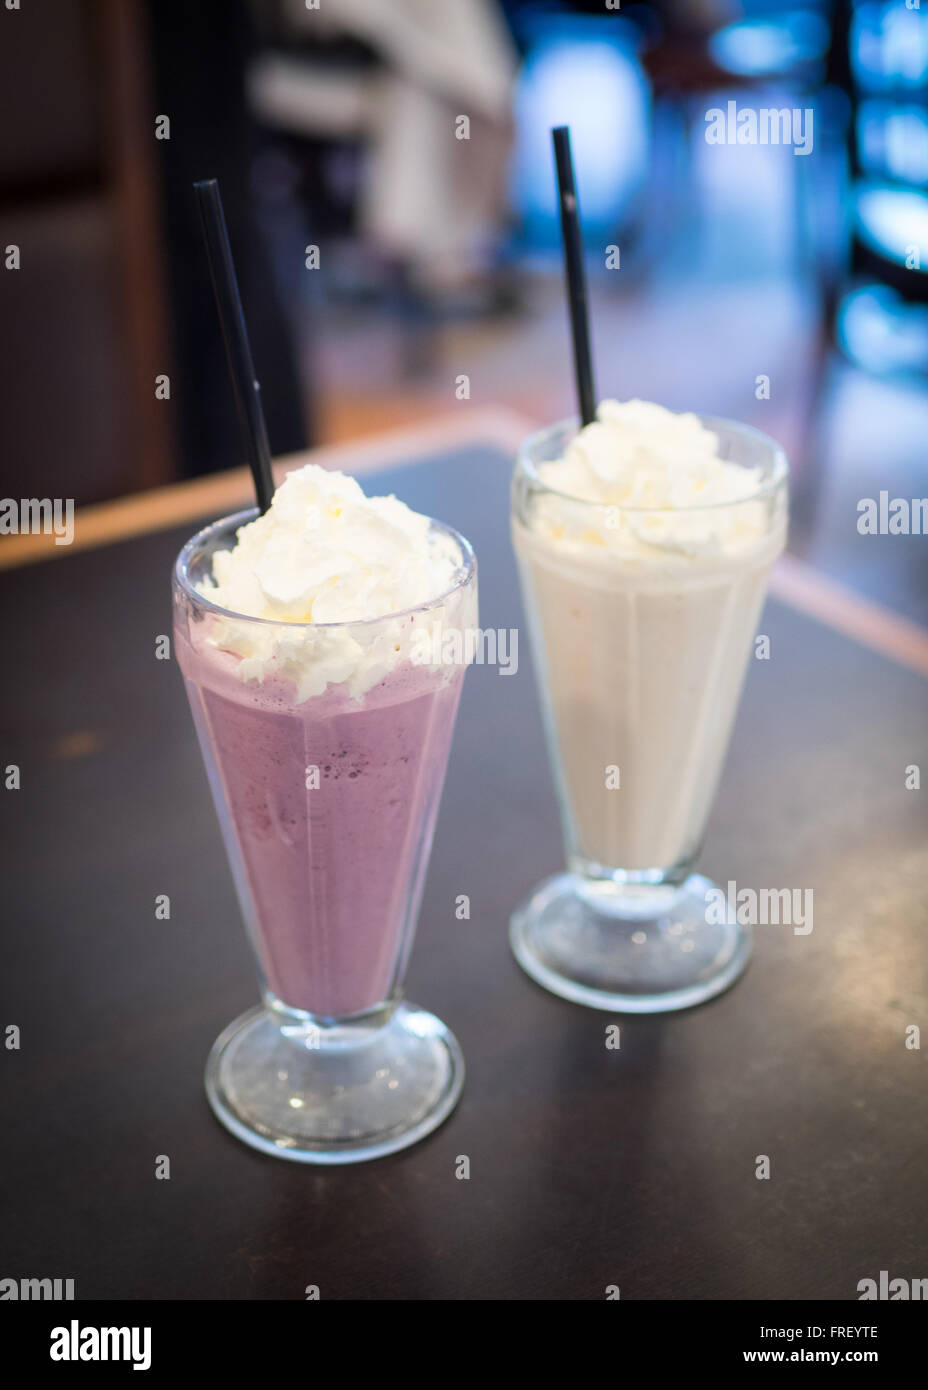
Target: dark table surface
{"points": [[589, 1167]]}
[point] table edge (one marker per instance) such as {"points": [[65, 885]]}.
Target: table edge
{"points": [[793, 581]]}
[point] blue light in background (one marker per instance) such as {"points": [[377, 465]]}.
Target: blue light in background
{"points": [[892, 220], [889, 46], [882, 333], [596, 86], [771, 46], [893, 139]]}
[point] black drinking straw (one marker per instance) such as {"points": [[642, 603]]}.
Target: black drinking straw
{"points": [[232, 317], [576, 278]]}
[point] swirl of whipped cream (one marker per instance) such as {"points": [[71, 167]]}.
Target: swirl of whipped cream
{"points": [[656, 475], [325, 553]]}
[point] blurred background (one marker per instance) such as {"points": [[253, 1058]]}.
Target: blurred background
{"points": [[387, 176]]}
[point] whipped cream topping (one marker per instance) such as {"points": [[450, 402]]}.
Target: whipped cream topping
{"points": [[324, 553], [655, 474]]}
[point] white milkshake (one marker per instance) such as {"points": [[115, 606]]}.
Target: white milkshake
{"points": [[644, 543], [643, 619]]}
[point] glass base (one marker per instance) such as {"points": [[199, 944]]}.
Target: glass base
{"points": [[335, 1093], [639, 949]]}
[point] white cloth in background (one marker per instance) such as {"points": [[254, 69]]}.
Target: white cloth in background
{"points": [[428, 197]]}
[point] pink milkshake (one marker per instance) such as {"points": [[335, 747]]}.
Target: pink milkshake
{"points": [[306, 641], [329, 874]]}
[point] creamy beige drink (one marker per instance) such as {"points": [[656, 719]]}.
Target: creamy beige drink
{"points": [[644, 558], [644, 542]]}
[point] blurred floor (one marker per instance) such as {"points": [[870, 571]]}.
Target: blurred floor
{"points": [[861, 435], [648, 342], [848, 434]]}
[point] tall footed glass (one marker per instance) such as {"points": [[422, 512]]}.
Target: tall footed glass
{"points": [[326, 747], [642, 622]]}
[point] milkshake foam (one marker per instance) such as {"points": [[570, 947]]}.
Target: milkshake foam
{"points": [[325, 745], [322, 556], [644, 555]]}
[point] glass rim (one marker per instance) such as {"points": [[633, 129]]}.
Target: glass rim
{"points": [[463, 575], [779, 469]]}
